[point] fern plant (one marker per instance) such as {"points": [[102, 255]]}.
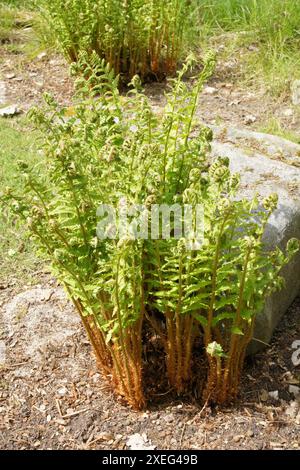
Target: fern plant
{"points": [[109, 149], [144, 37]]}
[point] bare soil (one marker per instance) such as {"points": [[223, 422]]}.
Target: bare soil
{"points": [[53, 397], [224, 100], [51, 394]]}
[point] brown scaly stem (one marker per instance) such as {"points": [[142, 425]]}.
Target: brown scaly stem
{"points": [[133, 342], [179, 332], [105, 356], [189, 341], [171, 348], [207, 331], [240, 361], [101, 349], [114, 363], [227, 378], [209, 390], [124, 353], [178, 381], [172, 340], [137, 366], [97, 346], [180, 341], [234, 339]]}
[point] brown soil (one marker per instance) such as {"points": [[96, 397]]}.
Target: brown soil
{"points": [[52, 395]]}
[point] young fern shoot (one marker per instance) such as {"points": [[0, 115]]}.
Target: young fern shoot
{"points": [[111, 151]]}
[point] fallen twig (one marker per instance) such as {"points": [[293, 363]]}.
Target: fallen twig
{"points": [[69, 415], [58, 407]]}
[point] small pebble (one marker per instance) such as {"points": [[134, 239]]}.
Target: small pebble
{"points": [[42, 56], [106, 436], [274, 394], [249, 119], [209, 90]]}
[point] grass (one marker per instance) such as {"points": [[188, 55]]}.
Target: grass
{"points": [[18, 141], [267, 32], [7, 20], [275, 127], [23, 30]]}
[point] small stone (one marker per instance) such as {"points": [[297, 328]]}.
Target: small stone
{"points": [[293, 409], [296, 354], [237, 438], [105, 436], [210, 90], [234, 103], [274, 395], [250, 433], [37, 443], [253, 48], [61, 421], [2, 93], [276, 445], [48, 419], [96, 377], [139, 442], [288, 112], [47, 294], [295, 90], [9, 111], [42, 56], [9, 76], [249, 119], [2, 352], [294, 390], [169, 418], [264, 396]]}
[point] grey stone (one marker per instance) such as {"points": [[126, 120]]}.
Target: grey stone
{"points": [[139, 442], [294, 390], [33, 315], [295, 89], [9, 111], [268, 164], [10, 76], [210, 90], [2, 93], [249, 119], [288, 112], [42, 55], [2, 352]]}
